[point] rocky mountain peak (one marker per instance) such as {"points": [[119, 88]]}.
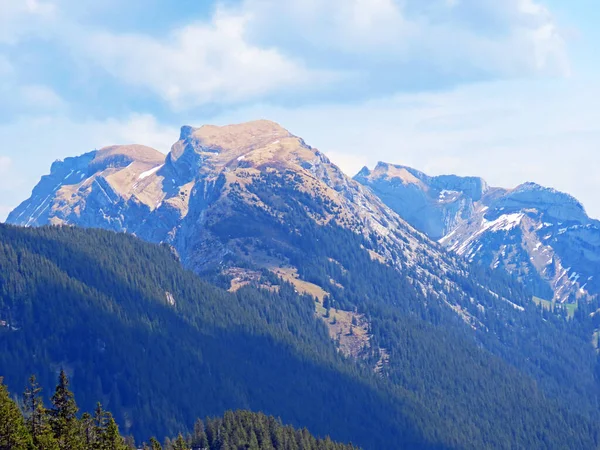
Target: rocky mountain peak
{"points": [[433, 205], [552, 204], [472, 187], [391, 172], [211, 148], [239, 138]]}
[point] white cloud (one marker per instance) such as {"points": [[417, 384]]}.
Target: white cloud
{"points": [[18, 98], [136, 129], [40, 97], [505, 38], [349, 49], [201, 63], [20, 18]]}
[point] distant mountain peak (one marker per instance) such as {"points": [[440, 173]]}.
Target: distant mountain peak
{"points": [[540, 234], [412, 194], [550, 202], [215, 147], [390, 172]]}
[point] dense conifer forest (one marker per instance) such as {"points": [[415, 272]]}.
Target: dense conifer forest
{"points": [[158, 346], [33, 426]]}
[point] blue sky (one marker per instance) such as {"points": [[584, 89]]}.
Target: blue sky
{"points": [[502, 89]]}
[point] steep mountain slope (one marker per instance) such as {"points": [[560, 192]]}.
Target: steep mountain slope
{"points": [[541, 235]]}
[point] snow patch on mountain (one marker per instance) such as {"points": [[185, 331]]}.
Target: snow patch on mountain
{"points": [[147, 173]]}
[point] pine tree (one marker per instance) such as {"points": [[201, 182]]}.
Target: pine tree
{"points": [[111, 439], [155, 445], [87, 431], [36, 417], [105, 432], [180, 443], [99, 422], [13, 431], [199, 440], [31, 399], [63, 417]]}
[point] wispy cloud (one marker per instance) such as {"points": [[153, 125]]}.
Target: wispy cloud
{"points": [[394, 46]]}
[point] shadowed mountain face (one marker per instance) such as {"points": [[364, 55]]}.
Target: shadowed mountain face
{"points": [[538, 234]]}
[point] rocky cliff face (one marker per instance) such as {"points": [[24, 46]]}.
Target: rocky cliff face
{"points": [[433, 205], [542, 236]]}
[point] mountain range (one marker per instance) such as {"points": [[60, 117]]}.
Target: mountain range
{"points": [[466, 357], [541, 236]]}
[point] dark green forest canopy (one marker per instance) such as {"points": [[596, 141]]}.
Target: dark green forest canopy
{"points": [[58, 428], [158, 346]]}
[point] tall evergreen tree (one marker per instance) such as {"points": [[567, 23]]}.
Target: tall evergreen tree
{"points": [[63, 417], [87, 431], [36, 417], [110, 438], [199, 439], [155, 445], [180, 443]]}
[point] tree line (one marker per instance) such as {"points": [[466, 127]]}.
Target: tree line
{"points": [[30, 425]]}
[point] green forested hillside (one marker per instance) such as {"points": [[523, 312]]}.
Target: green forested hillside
{"points": [[158, 346], [97, 304]]}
